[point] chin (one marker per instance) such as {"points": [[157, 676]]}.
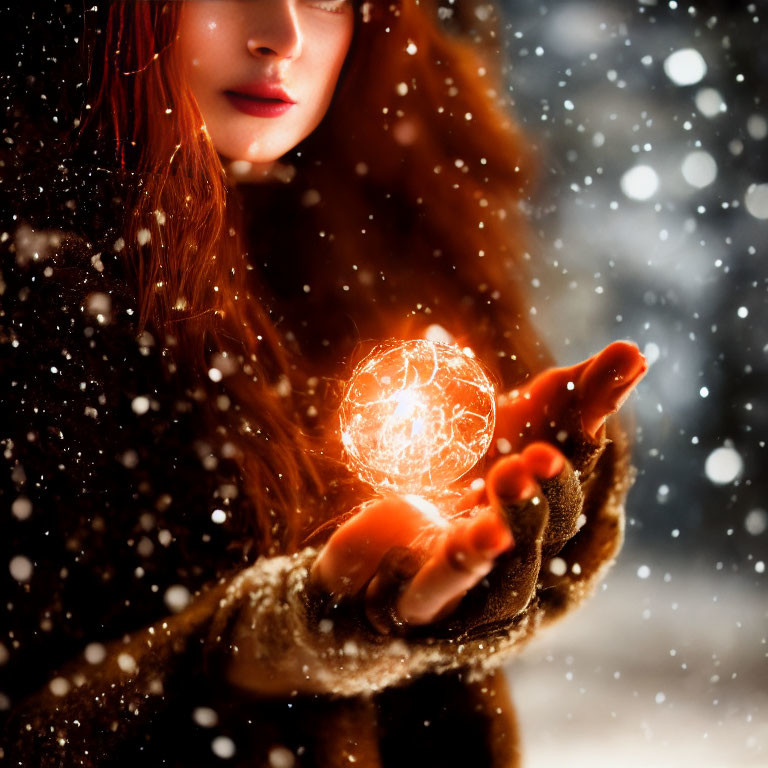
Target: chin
{"points": [[261, 152], [247, 171]]}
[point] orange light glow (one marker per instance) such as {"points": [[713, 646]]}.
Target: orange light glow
{"points": [[416, 415]]}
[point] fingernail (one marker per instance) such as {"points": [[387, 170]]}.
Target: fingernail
{"points": [[629, 369], [490, 536], [515, 489], [510, 481], [623, 389], [543, 460]]}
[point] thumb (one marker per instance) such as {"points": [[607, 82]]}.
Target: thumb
{"points": [[397, 567]]}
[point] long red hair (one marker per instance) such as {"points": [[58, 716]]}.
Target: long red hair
{"points": [[409, 193]]}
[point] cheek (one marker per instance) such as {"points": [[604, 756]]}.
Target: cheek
{"points": [[344, 42], [334, 52], [202, 42]]}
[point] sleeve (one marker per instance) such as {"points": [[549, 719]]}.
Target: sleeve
{"points": [[276, 627], [99, 539], [268, 631], [104, 698], [106, 495], [564, 541], [119, 593]]}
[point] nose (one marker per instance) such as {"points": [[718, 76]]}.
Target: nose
{"points": [[277, 30]]}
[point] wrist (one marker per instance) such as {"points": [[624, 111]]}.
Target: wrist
{"points": [[261, 634]]}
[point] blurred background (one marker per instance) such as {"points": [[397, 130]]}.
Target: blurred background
{"points": [[652, 219]]}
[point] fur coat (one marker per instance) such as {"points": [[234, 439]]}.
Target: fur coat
{"points": [[124, 602]]}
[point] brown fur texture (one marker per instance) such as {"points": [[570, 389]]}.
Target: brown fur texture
{"points": [[133, 698], [123, 448]]}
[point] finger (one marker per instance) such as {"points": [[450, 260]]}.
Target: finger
{"points": [[463, 556], [528, 410], [353, 553], [397, 566], [607, 382], [474, 497], [543, 460], [510, 481], [601, 384], [515, 479]]}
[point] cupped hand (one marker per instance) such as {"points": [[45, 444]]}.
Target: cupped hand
{"points": [[589, 391], [394, 550]]}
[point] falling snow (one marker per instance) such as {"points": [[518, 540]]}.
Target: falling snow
{"points": [[699, 169], [756, 200], [649, 224], [223, 747], [95, 653], [21, 568], [756, 522], [658, 194], [685, 67], [723, 465], [177, 598], [281, 757], [640, 182], [205, 717]]}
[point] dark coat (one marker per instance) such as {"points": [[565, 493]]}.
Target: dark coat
{"points": [[123, 599], [124, 596]]}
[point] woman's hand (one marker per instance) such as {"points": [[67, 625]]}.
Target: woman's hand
{"points": [[398, 552], [577, 397]]}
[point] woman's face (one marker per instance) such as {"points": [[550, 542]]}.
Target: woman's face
{"points": [[263, 71]]}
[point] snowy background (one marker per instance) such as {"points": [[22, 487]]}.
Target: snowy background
{"points": [[652, 216]]}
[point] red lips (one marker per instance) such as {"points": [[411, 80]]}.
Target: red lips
{"points": [[262, 89], [260, 99]]}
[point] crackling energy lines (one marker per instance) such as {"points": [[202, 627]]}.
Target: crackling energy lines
{"points": [[416, 415]]}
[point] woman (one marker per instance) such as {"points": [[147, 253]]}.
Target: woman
{"points": [[192, 575]]}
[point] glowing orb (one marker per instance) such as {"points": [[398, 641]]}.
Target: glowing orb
{"points": [[416, 415]]}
